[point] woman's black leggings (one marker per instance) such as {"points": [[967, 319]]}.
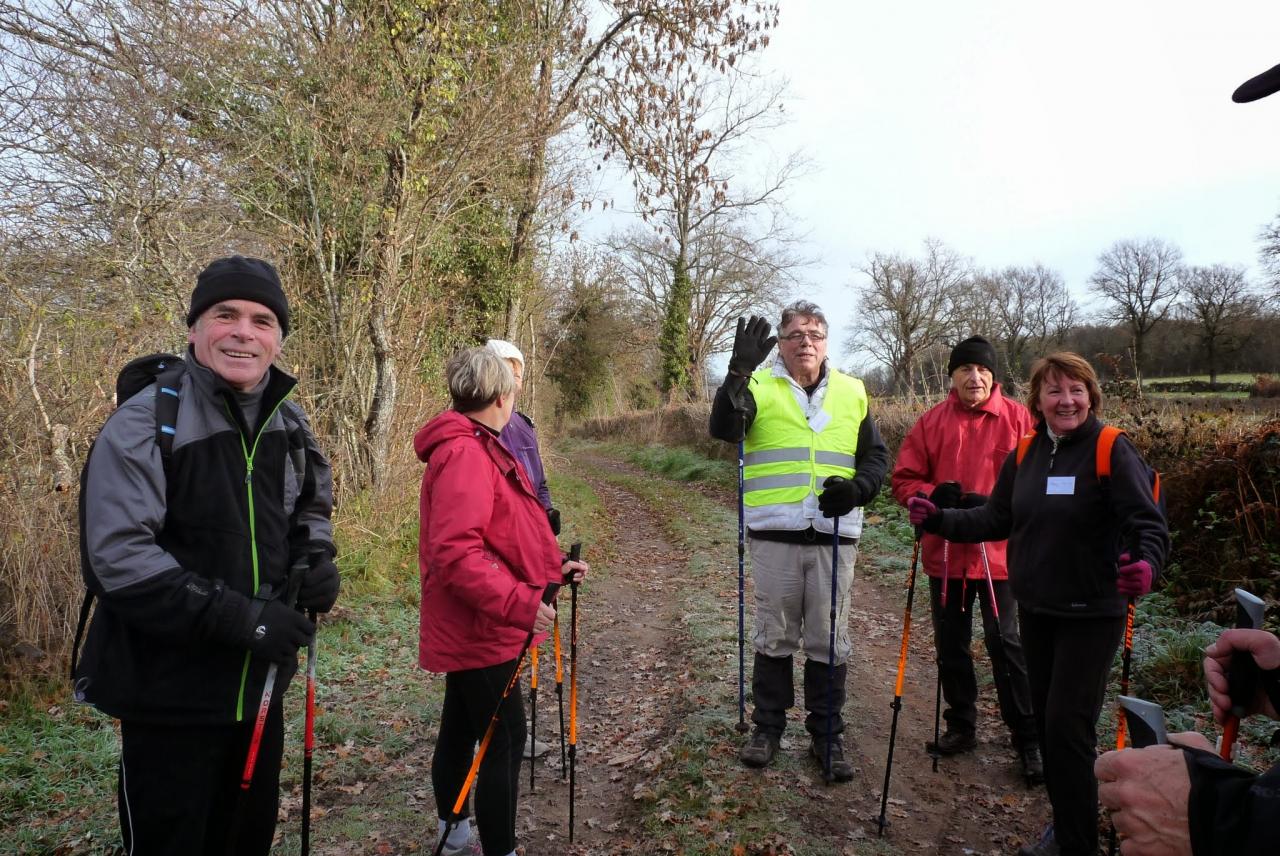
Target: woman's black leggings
{"points": [[1068, 662], [470, 697]]}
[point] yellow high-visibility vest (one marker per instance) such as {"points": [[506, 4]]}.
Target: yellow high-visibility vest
{"points": [[785, 458]]}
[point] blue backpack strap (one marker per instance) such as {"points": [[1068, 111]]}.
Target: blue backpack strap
{"points": [[168, 384]]}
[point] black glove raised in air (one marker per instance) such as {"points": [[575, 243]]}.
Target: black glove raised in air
{"points": [[751, 344]]}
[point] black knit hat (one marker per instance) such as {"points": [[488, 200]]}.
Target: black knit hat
{"points": [[240, 278], [974, 349]]}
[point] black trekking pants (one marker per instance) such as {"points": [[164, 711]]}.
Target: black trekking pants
{"points": [[470, 697], [178, 786], [1068, 662], [953, 638]]}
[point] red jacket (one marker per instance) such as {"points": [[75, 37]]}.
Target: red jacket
{"points": [[951, 442], [485, 548]]}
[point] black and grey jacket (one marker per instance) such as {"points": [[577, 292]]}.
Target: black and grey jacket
{"points": [[1065, 536], [175, 557]]}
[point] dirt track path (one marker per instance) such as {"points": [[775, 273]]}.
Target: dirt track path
{"points": [[634, 664]]}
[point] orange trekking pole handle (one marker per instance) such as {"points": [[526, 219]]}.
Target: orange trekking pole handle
{"points": [[1242, 680]]}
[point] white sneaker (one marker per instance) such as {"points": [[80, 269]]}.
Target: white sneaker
{"points": [[535, 748]]}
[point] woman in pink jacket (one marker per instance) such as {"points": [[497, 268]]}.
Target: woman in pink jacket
{"points": [[486, 555]]}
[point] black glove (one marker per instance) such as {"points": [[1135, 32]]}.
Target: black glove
{"points": [[320, 584], [973, 500], [946, 495], [751, 344], [553, 517], [840, 495], [279, 632]]}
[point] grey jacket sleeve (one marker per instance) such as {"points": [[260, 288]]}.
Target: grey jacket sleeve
{"points": [[124, 511]]}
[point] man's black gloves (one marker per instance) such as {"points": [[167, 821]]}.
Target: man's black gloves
{"points": [[751, 344], [279, 632], [320, 584], [840, 495], [972, 500], [553, 517]]}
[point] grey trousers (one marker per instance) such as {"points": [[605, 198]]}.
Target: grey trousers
{"points": [[793, 598]]}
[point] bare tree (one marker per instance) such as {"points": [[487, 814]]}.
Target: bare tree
{"points": [[613, 61], [1138, 279], [1269, 253], [1028, 310], [905, 307], [717, 253], [1220, 301]]}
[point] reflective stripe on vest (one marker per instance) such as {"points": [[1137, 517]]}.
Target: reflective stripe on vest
{"points": [[784, 458]]}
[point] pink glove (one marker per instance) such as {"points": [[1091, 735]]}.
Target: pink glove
{"points": [[1133, 579], [919, 510]]}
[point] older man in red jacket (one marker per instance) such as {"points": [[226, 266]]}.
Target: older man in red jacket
{"points": [[952, 455]]}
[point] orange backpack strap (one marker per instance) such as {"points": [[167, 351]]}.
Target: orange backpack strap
{"points": [[1106, 439], [1024, 443]]}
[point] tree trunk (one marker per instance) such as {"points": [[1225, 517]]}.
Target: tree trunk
{"points": [[531, 193]]}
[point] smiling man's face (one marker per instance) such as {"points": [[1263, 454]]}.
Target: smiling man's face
{"points": [[238, 340]]}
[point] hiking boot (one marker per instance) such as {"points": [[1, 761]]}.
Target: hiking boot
{"points": [[535, 748], [759, 750], [1032, 764], [1046, 846], [841, 770], [953, 743]]}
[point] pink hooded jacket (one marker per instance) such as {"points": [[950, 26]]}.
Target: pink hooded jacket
{"points": [[485, 548]]}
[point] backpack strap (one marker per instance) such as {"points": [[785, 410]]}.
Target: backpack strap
{"points": [[1024, 443], [168, 382], [1106, 440]]}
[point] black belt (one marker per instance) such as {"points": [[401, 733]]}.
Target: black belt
{"points": [[797, 536]]}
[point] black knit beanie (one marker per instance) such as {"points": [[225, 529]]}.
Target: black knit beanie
{"points": [[240, 278], [976, 350]]}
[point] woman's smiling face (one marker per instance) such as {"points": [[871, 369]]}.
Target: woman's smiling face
{"points": [[1064, 401]]}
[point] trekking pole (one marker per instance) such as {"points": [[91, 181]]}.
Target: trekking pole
{"points": [[309, 736], [897, 687], [575, 552], [934, 752], [564, 763], [831, 647], [742, 537], [292, 582], [1004, 651], [533, 712], [1126, 665], [1242, 680], [548, 595]]}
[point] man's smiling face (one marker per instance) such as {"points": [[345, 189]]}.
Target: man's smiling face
{"points": [[238, 340]]}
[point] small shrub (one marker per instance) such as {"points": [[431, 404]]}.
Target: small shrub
{"points": [[1265, 386]]}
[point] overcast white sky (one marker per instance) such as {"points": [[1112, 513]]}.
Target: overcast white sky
{"points": [[1025, 131]]}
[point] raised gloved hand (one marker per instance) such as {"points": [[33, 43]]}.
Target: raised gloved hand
{"points": [[278, 633], [972, 500], [1133, 579], [553, 517], [320, 585], [751, 344], [946, 495], [923, 513]]}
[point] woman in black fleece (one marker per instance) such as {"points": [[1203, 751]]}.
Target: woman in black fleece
{"points": [[1077, 549]]}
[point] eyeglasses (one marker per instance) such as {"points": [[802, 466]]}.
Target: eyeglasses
{"points": [[797, 338]]}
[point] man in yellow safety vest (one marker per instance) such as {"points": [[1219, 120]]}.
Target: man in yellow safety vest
{"points": [[811, 454]]}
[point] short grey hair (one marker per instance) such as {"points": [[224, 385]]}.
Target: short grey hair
{"points": [[476, 377], [802, 309]]}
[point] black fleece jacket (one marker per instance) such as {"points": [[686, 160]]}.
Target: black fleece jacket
{"points": [[1064, 545]]}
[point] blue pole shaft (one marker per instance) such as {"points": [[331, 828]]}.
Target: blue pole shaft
{"points": [[831, 642], [742, 663]]}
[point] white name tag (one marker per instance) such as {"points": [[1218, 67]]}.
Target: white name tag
{"points": [[1061, 486]]}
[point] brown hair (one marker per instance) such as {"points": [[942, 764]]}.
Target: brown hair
{"points": [[1068, 365]]}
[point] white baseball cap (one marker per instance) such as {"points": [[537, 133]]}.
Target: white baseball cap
{"points": [[506, 350]]}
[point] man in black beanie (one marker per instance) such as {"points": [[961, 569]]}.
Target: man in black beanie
{"points": [[952, 455], [190, 550]]}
